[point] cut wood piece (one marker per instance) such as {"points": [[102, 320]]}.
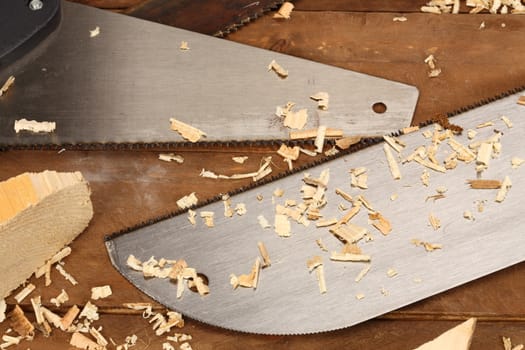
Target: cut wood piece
{"points": [[39, 215], [457, 338]]}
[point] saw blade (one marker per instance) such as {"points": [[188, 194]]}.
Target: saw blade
{"points": [[124, 84], [468, 235]]}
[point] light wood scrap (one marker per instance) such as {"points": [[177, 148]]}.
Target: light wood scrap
{"points": [[101, 292], [80, 341], [363, 272], [391, 272], [516, 162], [349, 232], [434, 221], [312, 133], [278, 69], [322, 99], [521, 100], [248, 280], [187, 131], [66, 274], [284, 11], [507, 121], [48, 209], [7, 84], [98, 336], [359, 178], [34, 126], [505, 186], [429, 247], [19, 322], [240, 159], [296, 120], [380, 222], [350, 257], [392, 163], [171, 157], [61, 298], [67, 320], [90, 312], [484, 184], [457, 338], [3, 308], [24, 292], [264, 253], [346, 142], [208, 218], [184, 46], [319, 138]]}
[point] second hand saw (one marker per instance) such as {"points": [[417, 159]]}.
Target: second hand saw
{"points": [[105, 78]]}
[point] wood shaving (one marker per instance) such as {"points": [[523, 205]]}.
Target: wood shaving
{"points": [[429, 247], [19, 322], [263, 222], [507, 344], [467, 214], [191, 217], [280, 71], [98, 337], [433, 70], [331, 152], [184, 46], [319, 138], [336, 256], [485, 125], [80, 341], [7, 84], [296, 120], [484, 184], [264, 254], [24, 292], [208, 218], [34, 126], [249, 280], [282, 225], [359, 296], [9, 341], [101, 292], [187, 131], [284, 11], [313, 133], [326, 222], [434, 222], [363, 272], [94, 32], [188, 201], [471, 134], [359, 177], [66, 275], [400, 19], [346, 142], [349, 232], [263, 171], [321, 245], [380, 223], [392, 163], [61, 298], [507, 121], [391, 272], [3, 308], [395, 143], [240, 160], [322, 99], [344, 195], [516, 162], [240, 209], [185, 346], [90, 312], [505, 187], [316, 263], [67, 320], [521, 100], [171, 157]]}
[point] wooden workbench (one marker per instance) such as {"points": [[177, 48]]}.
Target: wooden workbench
{"points": [[132, 186]]}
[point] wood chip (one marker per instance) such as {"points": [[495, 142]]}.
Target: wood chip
{"points": [[485, 125], [363, 272], [316, 263], [394, 142], [282, 225], [208, 218], [484, 154], [264, 253], [336, 256], [346, 142], [66, 274], [7, 84], [507, 121], [358, 178], [322, 99], [101, 292], [391, 272], [67, 320], [61, 298], [187, 201], [360, 296], [521, 100], [280, 71], [171, 157], [312, 133], [349, 232], [34, 126], [516, 162], [240, 160], [392, 163], [380, 223], [187, 131], [429, 247], [94, 32], [484, 184], [184, 46], [296, 120], [400, 19], [459, 338], [434, 221], [249, 280], [319, 138], [284, 11], [3, 308], [20, 323], [24, 292], [505, 187]]}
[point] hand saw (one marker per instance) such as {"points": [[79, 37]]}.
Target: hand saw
{"points": [[104, 78], [443, 235]]}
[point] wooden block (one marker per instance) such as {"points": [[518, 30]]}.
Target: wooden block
{"points": [[457, 338], [40, 213]]}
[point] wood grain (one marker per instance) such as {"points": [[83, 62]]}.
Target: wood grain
{"points": [[131, 187]]}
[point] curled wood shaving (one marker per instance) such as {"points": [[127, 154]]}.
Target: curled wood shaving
{"points": [[280, 71], [34, 126], [396, 144], [322, 99], [187, 131], [284, 11], [191, 217], [7, 84], [321, 245]]}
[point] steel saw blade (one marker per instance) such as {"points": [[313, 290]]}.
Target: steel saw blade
{"points": [[124, 84], [443, 234]]}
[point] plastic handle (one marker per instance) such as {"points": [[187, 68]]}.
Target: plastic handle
{"points": [[22, 28]]}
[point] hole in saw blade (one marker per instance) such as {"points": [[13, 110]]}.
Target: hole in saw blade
{"points": [[205, 280], [379, 107]]}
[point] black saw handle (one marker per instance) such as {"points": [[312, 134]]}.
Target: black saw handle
{"points": [[23, 25]]}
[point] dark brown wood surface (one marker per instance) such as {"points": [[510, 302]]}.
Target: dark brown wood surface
{"points": [[130, 187]]}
